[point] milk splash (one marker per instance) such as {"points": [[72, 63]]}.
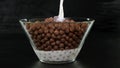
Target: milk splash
{"points": [[60, 17]]}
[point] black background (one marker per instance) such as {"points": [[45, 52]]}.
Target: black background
{"points": [[13, 10], [101, 49]]}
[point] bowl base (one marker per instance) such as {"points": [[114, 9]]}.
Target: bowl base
{"points": [[57, 62]]}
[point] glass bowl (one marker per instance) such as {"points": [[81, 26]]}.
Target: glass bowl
{"points": [[60, 55]]}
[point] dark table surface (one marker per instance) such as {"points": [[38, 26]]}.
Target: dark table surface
{"points": [[101, 50]]}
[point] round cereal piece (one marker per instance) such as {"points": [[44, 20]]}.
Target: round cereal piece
{"points": [[61, 45]]}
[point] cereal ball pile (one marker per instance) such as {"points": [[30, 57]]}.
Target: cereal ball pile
{"points": [[49, 35]]}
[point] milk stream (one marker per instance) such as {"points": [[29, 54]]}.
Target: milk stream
{"points": [[60, 17]]}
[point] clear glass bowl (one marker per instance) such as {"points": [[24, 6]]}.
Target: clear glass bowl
{"points": [[58, 56]]}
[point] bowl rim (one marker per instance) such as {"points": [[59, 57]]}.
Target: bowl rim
{"points": [[74, 18]]}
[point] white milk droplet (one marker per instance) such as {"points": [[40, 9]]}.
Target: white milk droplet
{"points": [[60, 17]]}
